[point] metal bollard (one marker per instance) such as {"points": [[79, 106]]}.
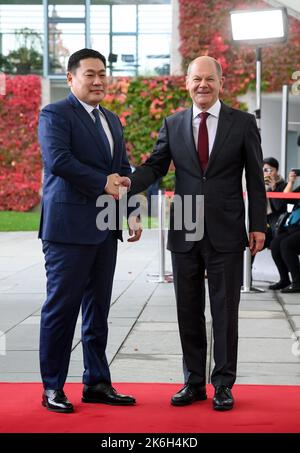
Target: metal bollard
{"points": [[162, 276], [247, 269]]}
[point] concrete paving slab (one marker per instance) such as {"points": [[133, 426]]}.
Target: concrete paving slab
{"points": [[162, 301], [292, 309], [23, 338], [268, 295], [155, 313], [266, 350], [289, 298], [156, 327], [257, 305], [268, 380], [124, 312], [296, 321], [21, 377], [269, 369], [263, 328], [261, 314], [19, 362], [164, 342], [152, 368]]}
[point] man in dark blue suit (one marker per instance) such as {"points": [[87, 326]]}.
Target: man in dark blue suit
{"points": [[83, 152]]}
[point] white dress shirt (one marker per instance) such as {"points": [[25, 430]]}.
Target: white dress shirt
{"points": [[211, 123], [89, 108]]}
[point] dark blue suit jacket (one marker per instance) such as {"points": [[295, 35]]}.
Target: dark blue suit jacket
{"points": [[76, 167]]}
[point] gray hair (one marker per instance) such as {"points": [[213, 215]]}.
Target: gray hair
{"points": [[216, 63]]}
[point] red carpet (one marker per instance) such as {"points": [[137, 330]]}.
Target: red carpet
{"points": [[258, 409]]}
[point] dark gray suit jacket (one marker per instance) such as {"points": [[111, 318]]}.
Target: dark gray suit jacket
{"points": [[236, 147]]}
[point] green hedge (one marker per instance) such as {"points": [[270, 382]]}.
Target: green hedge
{"points": [[141, 104]]}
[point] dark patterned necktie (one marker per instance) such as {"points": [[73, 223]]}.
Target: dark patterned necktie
{"points": [[101, 132], [203, 151]]}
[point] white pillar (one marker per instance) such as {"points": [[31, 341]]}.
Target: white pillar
{"points": [[176, 68], [45, 98]]}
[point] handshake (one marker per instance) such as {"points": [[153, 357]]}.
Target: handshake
{"points": [[117, 185]]}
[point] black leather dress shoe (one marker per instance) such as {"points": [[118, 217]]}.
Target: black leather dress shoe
{"points": [[223, 399], [105, 393], [188, 394], [280, 285], [292, 288], [56, 401]]}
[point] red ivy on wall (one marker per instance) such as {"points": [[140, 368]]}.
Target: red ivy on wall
{"points": [[20, 163], [205, 30]]}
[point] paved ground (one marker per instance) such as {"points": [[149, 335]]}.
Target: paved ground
{"points": [[143, 341]]}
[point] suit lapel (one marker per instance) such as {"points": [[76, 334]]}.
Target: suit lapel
{"points": [[224, 125], [188, 136], [88, 122]]}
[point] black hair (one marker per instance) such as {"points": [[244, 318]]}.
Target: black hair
{"points": [[272, 162], [76, 57]]}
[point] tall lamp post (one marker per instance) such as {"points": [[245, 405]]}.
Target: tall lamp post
{"points": [[258, 28]]}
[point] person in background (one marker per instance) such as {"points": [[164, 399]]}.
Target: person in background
{"points": [[273, 183], [285, 247]]}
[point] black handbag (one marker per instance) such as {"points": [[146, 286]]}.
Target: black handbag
{"points": [[280, 223]]}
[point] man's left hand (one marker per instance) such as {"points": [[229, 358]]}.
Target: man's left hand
{"points": [[256, 241], [134, 228]]}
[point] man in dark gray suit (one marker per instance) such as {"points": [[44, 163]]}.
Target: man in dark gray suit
{"points": [[211, 145]]}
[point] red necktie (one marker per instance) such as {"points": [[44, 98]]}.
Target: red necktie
{"points": [[203, 152]]}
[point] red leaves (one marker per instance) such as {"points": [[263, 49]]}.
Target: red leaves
{"points": [[205, 30], [20, 163]]}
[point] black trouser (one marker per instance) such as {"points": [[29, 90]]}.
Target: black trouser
{"points": [[224, 273], [78, 275], [285, 249]]}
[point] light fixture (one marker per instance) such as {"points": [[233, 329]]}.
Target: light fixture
{"points": [[259, 27]]}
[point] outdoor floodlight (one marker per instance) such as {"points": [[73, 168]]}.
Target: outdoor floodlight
{"points": [[259, 27]]}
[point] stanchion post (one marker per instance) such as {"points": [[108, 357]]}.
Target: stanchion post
{"points": [[284, 128], [161, 230], [162, 276], [247, 269]]}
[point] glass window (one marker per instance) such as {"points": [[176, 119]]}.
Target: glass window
{"points": [[100, 19], [124, 18], [154, 54], [58, 10], [155, 18], [125, 48], [101, 43], [100, 28], [64, 39], [15, 18], [21, 37]]}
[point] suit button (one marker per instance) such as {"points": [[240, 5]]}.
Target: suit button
{"points": [[204, 179]]}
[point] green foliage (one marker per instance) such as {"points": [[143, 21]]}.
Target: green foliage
{"points": [[27, 59], [204, 28], [19, 221], [142, 104]]}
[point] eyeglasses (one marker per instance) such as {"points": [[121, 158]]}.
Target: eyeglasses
{"points": [[268, 170]]}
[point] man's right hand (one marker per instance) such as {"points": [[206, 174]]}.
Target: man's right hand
{"points": [[117, 185]]}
